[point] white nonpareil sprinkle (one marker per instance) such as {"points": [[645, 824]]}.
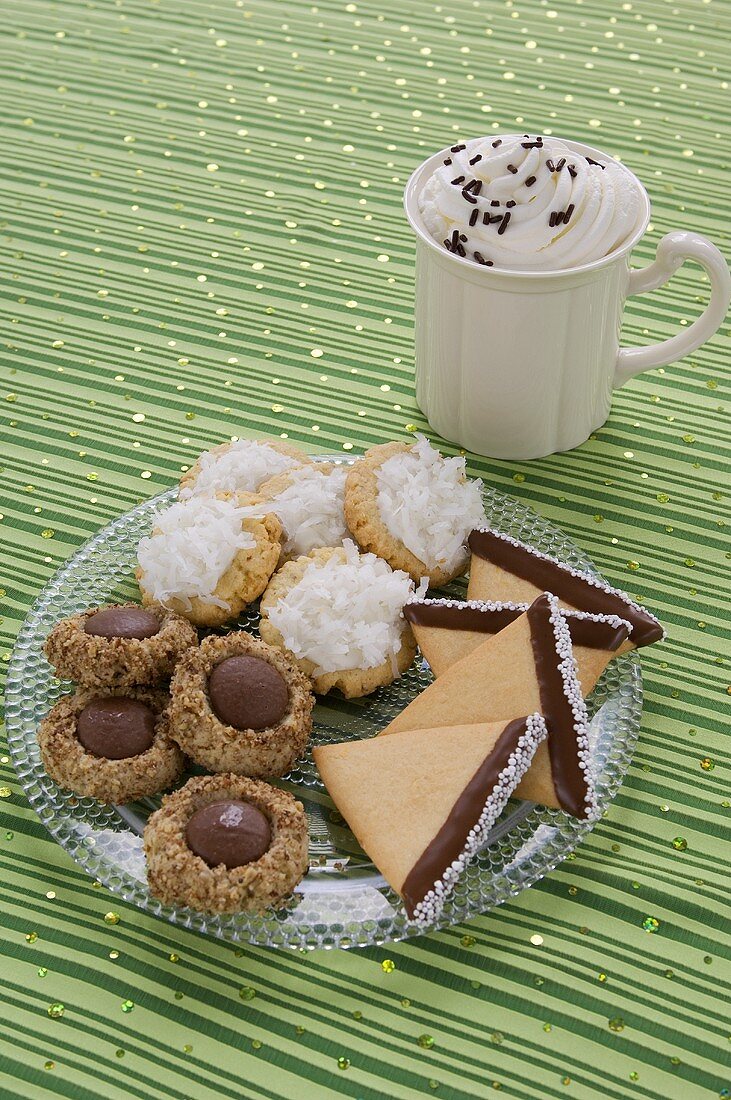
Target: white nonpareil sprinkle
{"points": [[311, 509], [192, 545], [429, 908], [241, 468], [345, 613], [425, 501]]}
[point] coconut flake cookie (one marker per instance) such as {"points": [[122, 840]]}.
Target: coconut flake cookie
{"points": [[119, 646], [240, 467], [413, 508], [114, 747], [241, 706], [208, 557], [224, 844], [309, 504], [339, 614]]}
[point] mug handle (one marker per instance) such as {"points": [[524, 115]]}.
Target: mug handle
{"points": [[672, 252]]}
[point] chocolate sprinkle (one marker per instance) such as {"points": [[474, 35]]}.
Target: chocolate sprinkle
{"points": [[481, 260], [560, 164], [510, 203], [530, 181], [513, 169], [474, 216], [537, 144], [459, 179], [448, 160], [549, 165], [476, 159], [496, 143], [457, 148], [572, 171], [503, 224], [595, 162], [494, 202], [488, 219]]}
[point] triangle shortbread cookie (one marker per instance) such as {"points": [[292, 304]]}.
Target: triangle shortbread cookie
{"points": [[528, 667], [447, 630], [439, 793], [503, 568]]}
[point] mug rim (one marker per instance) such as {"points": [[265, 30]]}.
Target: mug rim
{"points": [[411, 207]]}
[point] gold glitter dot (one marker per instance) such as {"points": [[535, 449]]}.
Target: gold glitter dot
{"points": [[707, 764], [127, 1006], [49, 1065], [146, 474], [317, 353], [31, 937], [388, 966], [536, 940], [112, 917], [343, 1062], [138, 417], [113, 954], [48, 533], [347, 446], [426, 1042], [56, 1010], [383, 258], [616, 1023], [256, 1044], [5, 792], [247, 993], [42, 971]]}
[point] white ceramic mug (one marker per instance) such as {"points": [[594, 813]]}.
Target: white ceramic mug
{"points": [[518, 365]]}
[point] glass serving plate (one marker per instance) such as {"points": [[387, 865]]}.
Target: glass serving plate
{"points": [[343, 901]]}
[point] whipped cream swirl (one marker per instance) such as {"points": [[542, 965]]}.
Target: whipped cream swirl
{"points": [[529, 203]]}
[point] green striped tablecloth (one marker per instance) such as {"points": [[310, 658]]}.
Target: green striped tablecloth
{"points": [[202, 237]]}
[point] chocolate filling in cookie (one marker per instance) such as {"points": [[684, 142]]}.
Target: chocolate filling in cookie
{"points": [[248, 693], [230, 832], [116, 727], [122, 622]]}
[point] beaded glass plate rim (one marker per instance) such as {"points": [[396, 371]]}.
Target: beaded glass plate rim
{"points": [[559, 835]]}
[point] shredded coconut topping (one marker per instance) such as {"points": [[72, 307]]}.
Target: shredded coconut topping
{"points": [[345, 613], [241, 468], [425, 501], [429, 908], [311, 509], [192, 545]]}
